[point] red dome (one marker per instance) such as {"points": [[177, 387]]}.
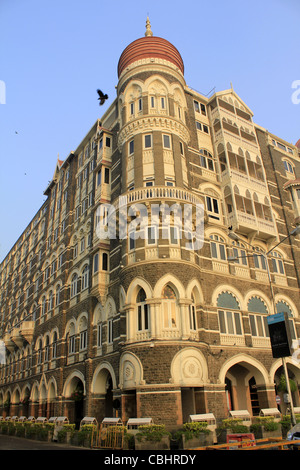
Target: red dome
{"points": [[150, 47], [298, 144]]}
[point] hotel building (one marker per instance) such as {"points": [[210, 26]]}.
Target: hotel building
{"points": [[149, 326]]}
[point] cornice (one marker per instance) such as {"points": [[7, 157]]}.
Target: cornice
{"points": [[152, 123]]}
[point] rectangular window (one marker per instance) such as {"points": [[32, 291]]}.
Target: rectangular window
{"points": [[152, 102], [169, 314], [99, 335], [131, 147], [106, 176], [259, 325], [166, 141], [230, 322], [196, 106], [131, 108], [99, 178], [151, 235], [203, 109], [163, 104], [192, 318], [96, 263], [104, 261], [212, 206], [72, 344], [83, 340], [131, 241], [174, 235], [110, 331], [143, 317], [148, 141]]}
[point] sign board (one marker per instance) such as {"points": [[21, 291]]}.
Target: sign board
{"points": [[243, 438], [280, 334]]}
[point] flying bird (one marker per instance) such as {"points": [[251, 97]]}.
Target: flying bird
{"points": [[102, 97]]}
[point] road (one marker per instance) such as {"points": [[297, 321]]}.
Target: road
{"points": [[19, 443]]}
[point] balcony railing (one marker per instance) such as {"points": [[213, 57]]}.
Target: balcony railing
{"points": [[160, 193]]}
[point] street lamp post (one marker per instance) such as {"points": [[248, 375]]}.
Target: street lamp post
{"points": [[293, 233]]}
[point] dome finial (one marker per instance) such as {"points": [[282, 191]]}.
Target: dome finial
{"points": [[148, 28]]}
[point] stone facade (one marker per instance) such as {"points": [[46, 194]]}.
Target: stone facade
{"points": [[149, 327]]}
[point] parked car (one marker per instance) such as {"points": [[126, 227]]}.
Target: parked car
{"points": [[294, 435]]}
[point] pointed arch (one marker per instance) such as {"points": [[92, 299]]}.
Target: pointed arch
{"points": [[134, 287], [257, 369]]}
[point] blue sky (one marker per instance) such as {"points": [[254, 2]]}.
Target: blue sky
{"points": [[54, 54]]}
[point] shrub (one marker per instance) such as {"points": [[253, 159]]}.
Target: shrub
{"points": [[31, 431], [234, 425], [266, 421], [4, 428], [152, 432], [50, 427], [61, 435], [192, 430], [11, 429], [20, 430], [42, 432]]}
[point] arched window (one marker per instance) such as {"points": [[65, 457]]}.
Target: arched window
{"points": [[282, 306], [288, 167], [259, 260], [74, 285], [258, 317], [85, 278], [169, 307], [57, 294], [229, 315], [72, 339], [239, 253], [40, 352], [54, 345], [217, 247], [47, 349], [51, 300], [142, 311], [206, 160], [83, 334], [44, 305], [277, 263]]}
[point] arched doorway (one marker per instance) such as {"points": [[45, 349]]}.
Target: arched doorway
{"points": [[103, 384], [109, 397], [246, 385], [25, 402], [75, 393], [77, 396]]}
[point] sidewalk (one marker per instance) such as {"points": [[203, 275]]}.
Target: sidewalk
{"points": [[20, 443]]}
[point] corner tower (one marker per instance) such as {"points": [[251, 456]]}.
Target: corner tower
{"points": [[152, 107], [157, 266]]}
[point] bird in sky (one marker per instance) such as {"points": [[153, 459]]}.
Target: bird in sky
{"points": [[102, 97]]}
